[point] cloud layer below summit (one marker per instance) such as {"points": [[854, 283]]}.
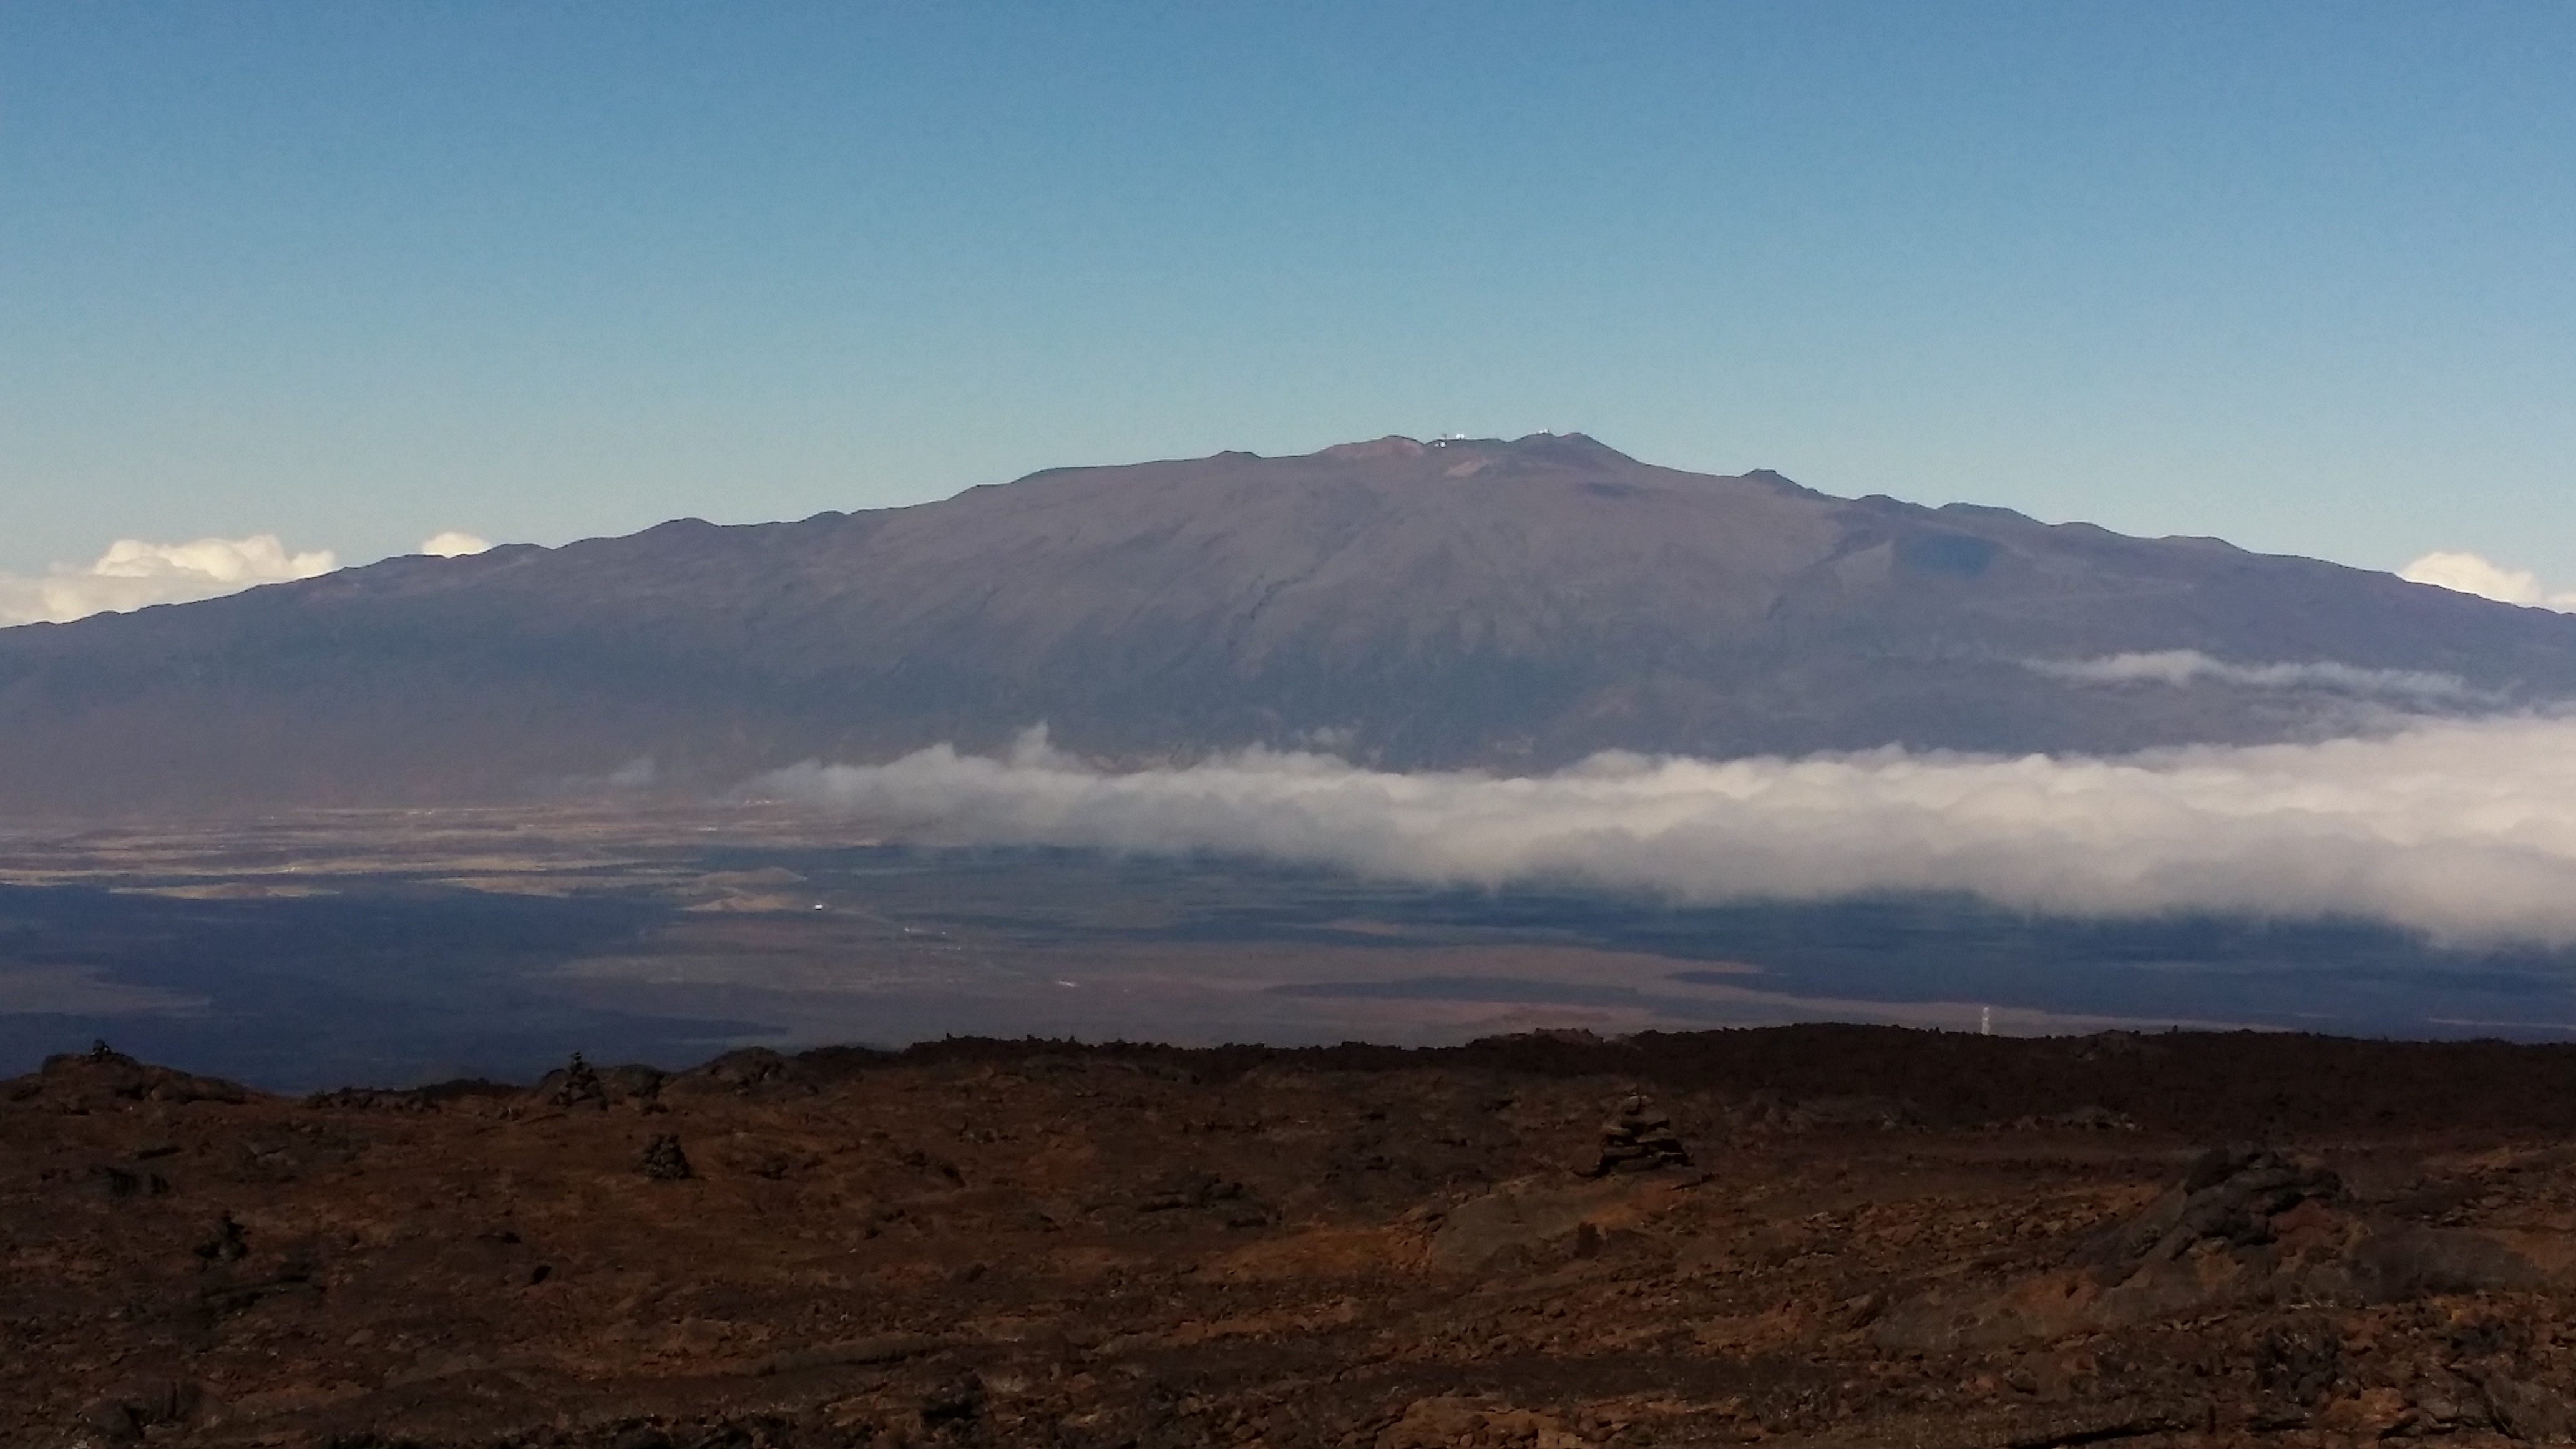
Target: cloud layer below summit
{"points": [[2463, 830]]}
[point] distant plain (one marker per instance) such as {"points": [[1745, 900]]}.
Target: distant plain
{"points": [[399, 947]]}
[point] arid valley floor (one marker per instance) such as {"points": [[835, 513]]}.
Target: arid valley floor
{"points": [[1803, 1235], [393, 948]]}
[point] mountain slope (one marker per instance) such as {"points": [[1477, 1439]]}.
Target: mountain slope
{"points": [[1503, 604]]}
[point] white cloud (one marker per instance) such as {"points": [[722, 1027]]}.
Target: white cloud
{"points": [[2466, 830], [2468, 573], [453, 544], [2184, 667], [134, 573]]}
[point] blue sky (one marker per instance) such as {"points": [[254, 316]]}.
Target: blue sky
{"points": [[2297, 275]]}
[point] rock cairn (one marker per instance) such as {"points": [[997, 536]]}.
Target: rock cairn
{"points": [[663, 1160], [576, 1085], [1639, 1139]]}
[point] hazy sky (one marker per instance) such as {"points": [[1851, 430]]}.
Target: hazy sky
{"points": [[2299, 275]]}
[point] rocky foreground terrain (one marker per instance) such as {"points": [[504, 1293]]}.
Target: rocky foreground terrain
{"points": [[1808, 1235]]}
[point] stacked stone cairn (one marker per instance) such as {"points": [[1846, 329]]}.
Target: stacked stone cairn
{"points": [[1639, 1139], [663, 1160], [576, 1085]]}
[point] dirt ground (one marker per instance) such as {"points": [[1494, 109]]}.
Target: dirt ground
{"points": [[1820, 1235]]}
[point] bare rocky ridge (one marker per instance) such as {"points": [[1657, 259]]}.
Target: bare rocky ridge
{"points": [[1809, 1236], [1512, 605]]}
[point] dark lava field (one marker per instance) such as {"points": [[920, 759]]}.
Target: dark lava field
{"points": [[1801, 1235]]}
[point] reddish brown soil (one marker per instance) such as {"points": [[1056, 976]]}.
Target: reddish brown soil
{"points": [[1881, 1237]]}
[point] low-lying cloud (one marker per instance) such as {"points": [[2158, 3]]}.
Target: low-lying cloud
{"points": [[2469, 573], [134, 574], [2464, 830], [2184, 667]]}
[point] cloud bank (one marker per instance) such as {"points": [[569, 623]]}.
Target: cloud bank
{"points": [[133, 574], [2185, 667], [2467, 573], [2463, 830]]}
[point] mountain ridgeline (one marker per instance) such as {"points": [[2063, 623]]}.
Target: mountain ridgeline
{"points": [[1507, 605]]}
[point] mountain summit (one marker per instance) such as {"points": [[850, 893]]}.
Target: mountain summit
{"points": [[1510, 605]]}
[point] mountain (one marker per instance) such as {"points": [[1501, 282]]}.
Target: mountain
{"points": [[1503, 604]]}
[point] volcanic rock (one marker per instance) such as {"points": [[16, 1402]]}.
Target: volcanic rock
{"points": [[485, 1270], [2229, 1197]]}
